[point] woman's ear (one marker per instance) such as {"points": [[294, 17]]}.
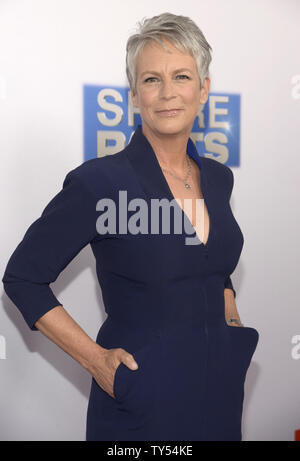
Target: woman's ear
{"points": [[134, 98], [205, 91]]}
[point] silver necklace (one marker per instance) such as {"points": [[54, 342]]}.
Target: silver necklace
{"points": [[187, 185]]}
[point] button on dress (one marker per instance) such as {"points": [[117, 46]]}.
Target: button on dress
{"points": [[164, 298]]}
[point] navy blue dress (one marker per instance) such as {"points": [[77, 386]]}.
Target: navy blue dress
{"points": [[164, 299]]}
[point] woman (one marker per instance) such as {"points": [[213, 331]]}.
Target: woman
{"points": [[165, 365]]}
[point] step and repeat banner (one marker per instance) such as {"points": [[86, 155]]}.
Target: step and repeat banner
{"points": [[64, 99]]}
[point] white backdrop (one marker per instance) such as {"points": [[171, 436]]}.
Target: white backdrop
{"points": [[48, 50]]}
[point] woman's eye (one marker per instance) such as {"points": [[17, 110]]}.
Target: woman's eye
{"points": [[182, 75], [149, 79]]}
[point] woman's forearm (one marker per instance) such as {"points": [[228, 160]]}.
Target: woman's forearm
{"points": [[230, 305], [62, 329]]}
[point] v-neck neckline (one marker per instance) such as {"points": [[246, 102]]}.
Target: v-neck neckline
{"points": [[161, 180], [171, 197], [190, 151]]}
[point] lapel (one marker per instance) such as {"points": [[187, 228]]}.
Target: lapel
{"points": [[147, 168]]}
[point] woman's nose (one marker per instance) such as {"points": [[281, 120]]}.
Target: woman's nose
{"points": [[167, 89]]}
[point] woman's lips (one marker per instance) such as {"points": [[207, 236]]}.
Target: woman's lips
{"points": [[169, 113]]}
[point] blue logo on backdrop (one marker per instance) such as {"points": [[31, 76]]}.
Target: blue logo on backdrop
{"points": [[110, 120]]}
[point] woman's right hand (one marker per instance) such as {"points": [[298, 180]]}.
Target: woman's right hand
{"points": [[105, 364]]}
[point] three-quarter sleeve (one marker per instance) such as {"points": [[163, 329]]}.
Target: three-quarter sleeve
{"points": [[228, 281], [228, 284], [66, 225]]}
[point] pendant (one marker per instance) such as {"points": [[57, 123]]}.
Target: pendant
{"points": [[187, 185]]}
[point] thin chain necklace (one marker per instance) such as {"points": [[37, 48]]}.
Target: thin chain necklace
{"points": [[187, 185]]}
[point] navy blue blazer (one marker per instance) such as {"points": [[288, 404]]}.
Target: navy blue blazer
{"points": [[164, 299]]}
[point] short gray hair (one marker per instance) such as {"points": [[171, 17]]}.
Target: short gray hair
{"points": [[181, 31]]}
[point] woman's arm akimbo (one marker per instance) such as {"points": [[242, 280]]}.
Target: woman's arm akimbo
{"points": [[62, 329]]}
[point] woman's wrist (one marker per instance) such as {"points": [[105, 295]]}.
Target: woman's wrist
{"points": [[234, 320], [96, 353]]}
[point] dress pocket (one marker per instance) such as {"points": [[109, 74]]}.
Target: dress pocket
{"points": [[135, 384], [244, 341], [116, 381], [136, 391]]}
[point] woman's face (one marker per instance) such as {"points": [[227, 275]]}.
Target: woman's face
{"points": [[168, 81]]}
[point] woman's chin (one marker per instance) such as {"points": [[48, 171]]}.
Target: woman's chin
{"points": [[170, 127]]}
